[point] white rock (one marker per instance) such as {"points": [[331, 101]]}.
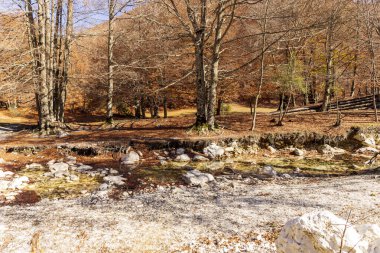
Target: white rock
{"points": [[199, 158], [34, 166], [319, 232], [113, 172], [18, 183], [180, 151], [59, 167], [327, 149], [73, 178], [298, 152], [131, 158], [139, 153], [272, 149], [371, 234], [83, 168], [229, 149], [51, 162], [6, 174], [183, 158], [117, 180], [4, 185], [213, 151], [370, 150], [365, 140], [2, 161], [70, 160], [267, 171], [196, 178]]}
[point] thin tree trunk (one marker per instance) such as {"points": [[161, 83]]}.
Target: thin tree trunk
{"points": [[165, 107], [262, 65], [111, 42], [329, 66]]}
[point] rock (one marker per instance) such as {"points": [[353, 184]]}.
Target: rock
{"points": [[163, 162], [298, 152], [2, 161], [229, 149], [34, 166], [267, 171], [180, 151], [71, 160], [4, 185], [367, 150], [114, 172], [199, 158], [161, 158], [104, 187], [130, 159], [296, 171], [320, 232], [116, 180], [327, 149], [73, 178], [139, 153], [18, 183], [183, 158], [365, 140], [287, 176], [84, 168], [62, 134], [197, 178], [216, 166], [59, 170], [64, 167], [51, 162], [213, 151], [371, 234], [6, 174], [272, 149]]}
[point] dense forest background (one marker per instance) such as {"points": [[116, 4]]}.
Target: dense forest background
{"points": [[133, 57]]}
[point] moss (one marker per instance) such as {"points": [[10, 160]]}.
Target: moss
{"points": [[59, 188]]}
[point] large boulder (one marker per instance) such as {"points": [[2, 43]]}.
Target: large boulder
{"points": [[322, 232], [213, 151], [197, 178], [130, 159]]}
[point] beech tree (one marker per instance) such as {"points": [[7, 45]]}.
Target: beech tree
{"points": [[50, 44]]}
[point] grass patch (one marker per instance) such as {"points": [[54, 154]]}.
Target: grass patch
{"points": [[59, 188]]}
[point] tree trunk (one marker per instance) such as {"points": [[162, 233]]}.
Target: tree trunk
{"points": [[66, 57], [201, 83], [329, 66], [43, 92], [262, 65], [143, 107], [219, 108], [111, 42], [165, 107]]}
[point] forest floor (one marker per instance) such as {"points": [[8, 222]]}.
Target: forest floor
{"points": [[155, 210], [235, 124]]}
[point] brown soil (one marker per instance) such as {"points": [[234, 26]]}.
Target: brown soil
{"points": [[232, 126]]}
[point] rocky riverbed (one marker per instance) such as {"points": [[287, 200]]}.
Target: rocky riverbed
{"points": [[224, 198], [227, 216]]}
